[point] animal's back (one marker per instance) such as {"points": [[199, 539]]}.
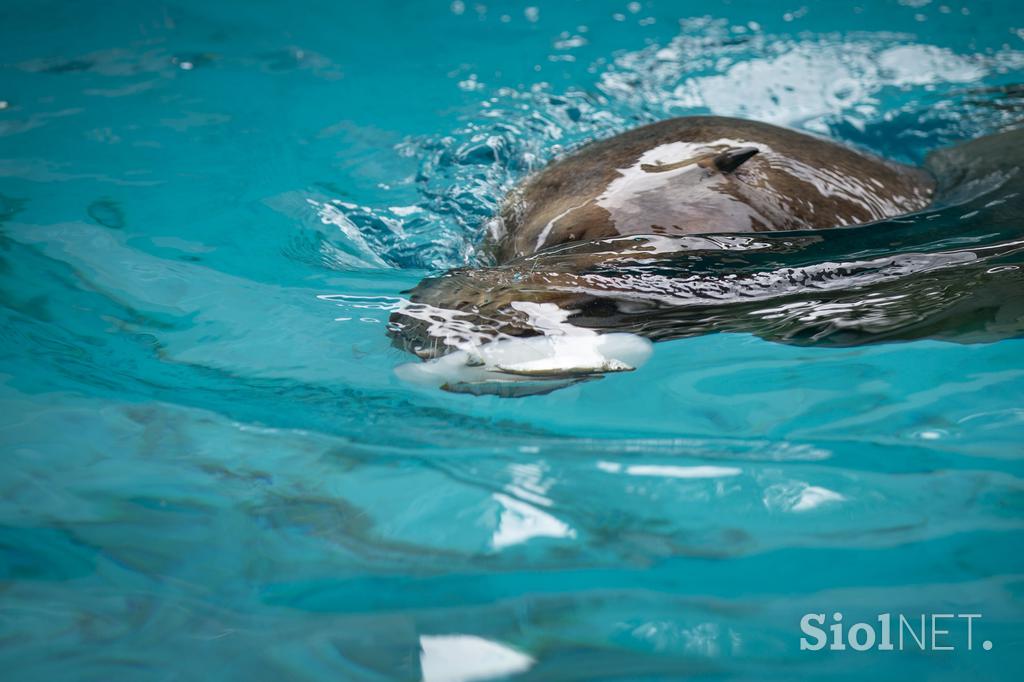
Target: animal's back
{"points": [[659, 179]]}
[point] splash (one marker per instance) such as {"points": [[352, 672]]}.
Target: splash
{"points": [[857, 87]]}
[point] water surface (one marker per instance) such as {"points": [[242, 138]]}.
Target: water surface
{"points": [[210, 470]]}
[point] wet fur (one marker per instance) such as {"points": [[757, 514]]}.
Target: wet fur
{"points": [[584, 262]]}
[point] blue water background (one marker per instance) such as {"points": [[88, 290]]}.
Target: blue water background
{"points": [[210, 470]]}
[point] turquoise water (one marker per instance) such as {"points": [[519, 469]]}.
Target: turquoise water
{"points": [[210, 470]]}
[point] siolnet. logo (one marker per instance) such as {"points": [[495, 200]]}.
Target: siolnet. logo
{"points": [[922, 632]]}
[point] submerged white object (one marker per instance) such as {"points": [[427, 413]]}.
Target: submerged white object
{"points": [[531, 365], [511, 366]]}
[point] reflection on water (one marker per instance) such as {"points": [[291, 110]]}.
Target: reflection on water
{"points": [[209, 213]]}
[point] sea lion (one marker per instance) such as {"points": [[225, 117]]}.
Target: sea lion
{"points": [[614, 236]]}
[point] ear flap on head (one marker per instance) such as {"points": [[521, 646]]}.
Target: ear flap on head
{"points": [[731, 159]]}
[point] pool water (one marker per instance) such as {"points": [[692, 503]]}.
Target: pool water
{"points": [[208, 211]]}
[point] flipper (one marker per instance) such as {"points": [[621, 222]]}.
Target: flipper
{"points": [[977, 167], [530, 366]]}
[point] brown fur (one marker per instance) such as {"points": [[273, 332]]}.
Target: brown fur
{"points": [[610, 189], [835, 186]]}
